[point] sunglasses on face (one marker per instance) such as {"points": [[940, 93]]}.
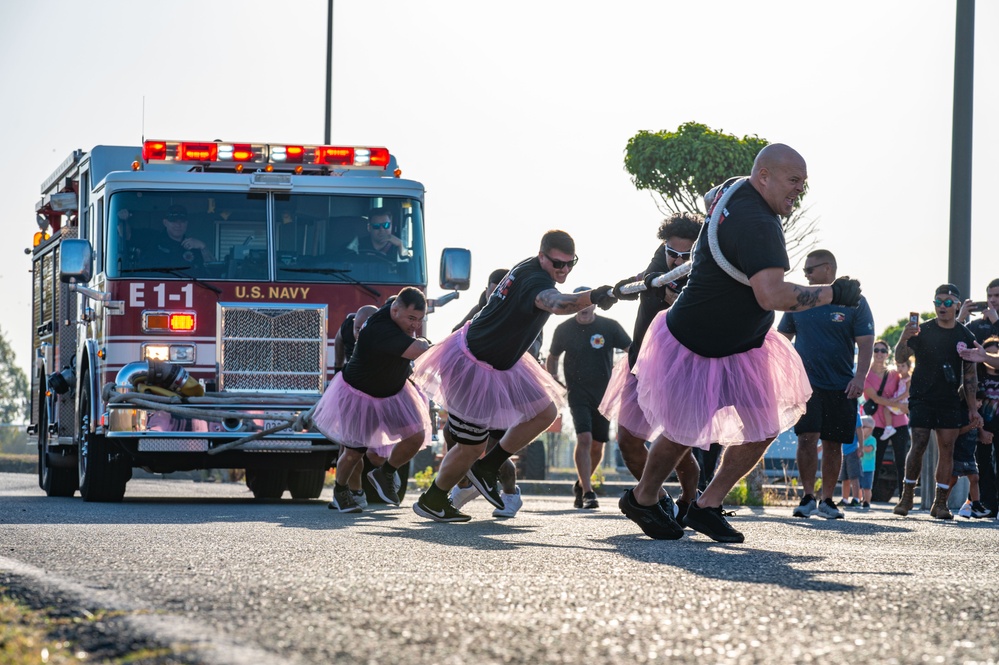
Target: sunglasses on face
{"points": [[558, 265], [673, 254], [945, 303], [880, 350], [808, 270], [380, 225]]}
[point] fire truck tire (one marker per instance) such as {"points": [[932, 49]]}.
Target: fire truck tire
{"points": [[266, 483], [56, 481], [102, 474], [371, 494], [306, 483]]}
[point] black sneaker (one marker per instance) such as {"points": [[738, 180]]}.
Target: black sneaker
{"points": [[485, 482], [669, 506], [653, 520], [387, 488], [446, 513], [681, 510], [577, 493], [712, 524], [978, 510], [343, 500], [590, 501]]}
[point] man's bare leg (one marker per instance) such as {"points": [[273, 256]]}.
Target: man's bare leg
{"points": [[807, 458], [736, 462], [583, 456]]}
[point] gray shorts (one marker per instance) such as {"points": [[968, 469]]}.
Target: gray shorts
{"points": [[965, 468], [852, 468]]}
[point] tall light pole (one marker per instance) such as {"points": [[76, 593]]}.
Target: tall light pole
{"points": [[329, 76], [959, 268]]}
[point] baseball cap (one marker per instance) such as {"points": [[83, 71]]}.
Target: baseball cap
{"points": [[580, 289], [176, 212], [948, 289]]}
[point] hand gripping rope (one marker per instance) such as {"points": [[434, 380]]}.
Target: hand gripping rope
{"points": [[717, 208]]}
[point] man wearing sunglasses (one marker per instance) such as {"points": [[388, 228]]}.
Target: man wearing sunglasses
{"points": [[482, 378], [710, 368], [826, 339], [934, 404], [988, 325], [380, 240]]}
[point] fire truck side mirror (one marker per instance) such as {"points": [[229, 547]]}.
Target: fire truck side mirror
{"points": [[76, 261], [456, 268]]}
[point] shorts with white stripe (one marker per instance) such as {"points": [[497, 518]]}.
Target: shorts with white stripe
{"points": [[466, 433]]}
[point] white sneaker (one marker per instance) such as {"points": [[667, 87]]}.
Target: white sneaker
{"points": [[828, 510], [462, 495], [360, 498], [965, 510], [889, 430], [511, 504]]}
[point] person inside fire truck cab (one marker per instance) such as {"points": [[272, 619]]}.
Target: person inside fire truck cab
{"points": [[372, 406], [380, 241], [173, 247], [128, 252]]}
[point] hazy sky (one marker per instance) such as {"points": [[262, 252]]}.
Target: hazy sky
{"points": [[515, 116]]}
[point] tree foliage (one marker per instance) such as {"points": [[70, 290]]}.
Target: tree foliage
{"points": [[894, 331], [680, 167], [13, 395]]}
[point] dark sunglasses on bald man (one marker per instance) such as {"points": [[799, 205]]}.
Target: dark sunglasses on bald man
{"points": [[558, 265], [808, 270], [945, 303]]}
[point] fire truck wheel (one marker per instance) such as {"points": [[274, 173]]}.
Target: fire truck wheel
{"points": [[56, 481], [371, 494], [102, 475], [266, 483], [306, 483]]}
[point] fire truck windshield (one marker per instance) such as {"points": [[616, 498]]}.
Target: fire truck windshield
{"points": [[265, 237]]}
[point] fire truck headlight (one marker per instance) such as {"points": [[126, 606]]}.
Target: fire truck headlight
{"points": [[183, 354]]}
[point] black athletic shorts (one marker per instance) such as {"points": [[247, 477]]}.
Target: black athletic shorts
{"points": [[934, 416], [587, 418], [831, 414]]}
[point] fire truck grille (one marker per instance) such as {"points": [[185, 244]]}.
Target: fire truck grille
{"points": [[279, 348]]}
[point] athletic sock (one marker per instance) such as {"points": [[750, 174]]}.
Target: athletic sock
{"points": [[942, 486], [435, 496], [389, 469], [495, 458]]}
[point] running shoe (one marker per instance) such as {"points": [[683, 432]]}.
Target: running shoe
{"points": [[360, 498], [386, 486], [806, 507], [577, 495], [712, 523], [445, 513], [485, 481], [343, 500], [670, 506], [511, 504], [653, 520], [462, 495], [978, 510], [590, 501], [681, 507], [828, 510], [965, 510]]}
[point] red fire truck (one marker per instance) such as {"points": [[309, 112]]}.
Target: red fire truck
{"points": [[186, 297]]}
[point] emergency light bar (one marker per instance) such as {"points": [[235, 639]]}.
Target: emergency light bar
{"points": [[260, 153]]}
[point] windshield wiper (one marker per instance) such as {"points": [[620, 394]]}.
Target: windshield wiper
{"points": [[337, 272], [176, 272]]}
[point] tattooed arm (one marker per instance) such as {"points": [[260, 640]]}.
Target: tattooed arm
{"points": [[970, 388], [552, 301], [773, 293]]}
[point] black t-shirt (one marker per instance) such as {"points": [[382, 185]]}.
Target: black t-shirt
{"points": [[589, 356], [347, 336], [939, 370], [982, 329], [377, 367], [989, 384], [165, 252], [509, 323], [716, 316], [650, 303]]}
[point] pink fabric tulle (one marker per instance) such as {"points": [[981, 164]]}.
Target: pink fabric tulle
{"points": [[620, 402], [697, 401], [475, 392], [357, 420]]}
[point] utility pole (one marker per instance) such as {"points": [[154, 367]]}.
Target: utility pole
{"points": [[329, 76], [959, 268]]}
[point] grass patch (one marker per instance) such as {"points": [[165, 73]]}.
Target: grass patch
{"points": [[24, 637]]}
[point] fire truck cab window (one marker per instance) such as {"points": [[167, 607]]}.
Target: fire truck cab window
{"points": [[265, 237]]}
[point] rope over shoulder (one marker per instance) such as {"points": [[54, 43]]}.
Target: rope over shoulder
{"points": [[727, 190]]}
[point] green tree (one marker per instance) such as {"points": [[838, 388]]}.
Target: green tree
{"points": [[894, 331], [680, 167], [13, 398]]}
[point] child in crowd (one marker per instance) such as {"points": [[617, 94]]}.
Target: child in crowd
{"points": [[902, 395], [850, 471], [965, 464], [868, 447]]}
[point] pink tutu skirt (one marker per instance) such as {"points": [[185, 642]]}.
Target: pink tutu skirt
{"points": [[697, 401], [479, 394], [355, 419], [620, 402]]}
